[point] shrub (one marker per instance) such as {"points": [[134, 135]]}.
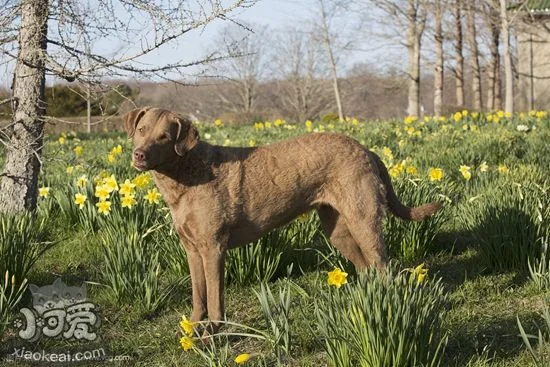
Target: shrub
{"points": [[132, 267], [410, 241], [22, 243], [276, 310], [384, 318], [10, 295], [270, 256], [23, 239], [508, 222]]}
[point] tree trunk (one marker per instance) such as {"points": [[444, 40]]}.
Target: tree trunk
{"points": [[494, 69], [88, 110], [332, 60], [413, 44], [507, 54], [439, 60], [19, 182], [474, 58], [459, 53]]}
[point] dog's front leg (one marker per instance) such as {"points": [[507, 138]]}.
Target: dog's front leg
{"points": [[213, 262], [198, 281]]}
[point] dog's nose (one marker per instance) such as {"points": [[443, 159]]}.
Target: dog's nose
{"points": [[139, 155]]}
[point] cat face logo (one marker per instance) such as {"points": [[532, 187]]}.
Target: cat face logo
{"points": [[58, 310]]}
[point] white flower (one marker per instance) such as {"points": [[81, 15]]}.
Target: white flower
{"points": [[523, 128]]}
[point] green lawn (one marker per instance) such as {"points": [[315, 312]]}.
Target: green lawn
{"points": [[491, 225]]}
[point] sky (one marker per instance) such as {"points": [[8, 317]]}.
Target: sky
{"points": [[275, 14]]}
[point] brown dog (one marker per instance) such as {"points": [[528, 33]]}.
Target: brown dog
{"points": [[222, 197]]}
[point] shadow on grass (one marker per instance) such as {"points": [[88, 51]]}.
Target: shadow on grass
{"points": [[495, 338]]}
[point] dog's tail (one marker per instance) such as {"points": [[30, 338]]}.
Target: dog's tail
{"points": [[395, 206]]}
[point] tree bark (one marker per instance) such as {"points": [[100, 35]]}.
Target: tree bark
{"points": [[474, 58], [414, 44], [459, 53], [507, 55], [19, 179], [493, 82], [439, 59], [332, 60]]}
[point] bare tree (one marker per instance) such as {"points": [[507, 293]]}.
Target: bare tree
{"points": [[471, 35], [298, 67], [507, 56], [410, 15], [416, 17], [243, 70], [327, 10], [459, 53], [141, 27], [491, 18], [439, 8]]}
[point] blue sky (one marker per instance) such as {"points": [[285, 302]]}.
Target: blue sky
{"points": [[276, 14]]}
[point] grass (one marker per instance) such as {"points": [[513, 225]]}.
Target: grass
{"points": [[484, 300]]}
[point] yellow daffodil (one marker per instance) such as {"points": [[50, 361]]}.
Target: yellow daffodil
{"points": [[117, 150], [69, 170], [387, 153], [337, 277], [267, 125], [502, 168], [466, 172], [127, 188], [259, 126], [44, 192], [111, 158], [252, 143], [102, 192], [436, 174], [410, 119], [82, 181], [187, 343], [79, 200], [187, 326], [110, 183], [279, 122], [218, 123], [78, 150], [419, 273], [411, 170], [242, 358], [152, 196], [141, 180], [309, 125], [61, 140], [104, 207], [128, 201], [457, 116]]}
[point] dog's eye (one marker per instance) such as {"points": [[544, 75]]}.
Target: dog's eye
{"points": [[140, 129]]}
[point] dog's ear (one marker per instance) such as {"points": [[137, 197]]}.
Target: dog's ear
{"points": [[187, 136], [132, 118]]}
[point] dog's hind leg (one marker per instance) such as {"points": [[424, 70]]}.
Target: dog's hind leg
{"points": [[337, 231], [365, 225]]}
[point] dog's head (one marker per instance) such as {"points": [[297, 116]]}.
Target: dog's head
{"points": [[159, 136]]}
